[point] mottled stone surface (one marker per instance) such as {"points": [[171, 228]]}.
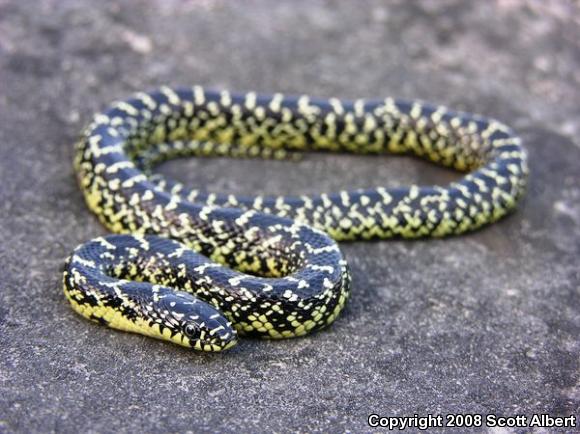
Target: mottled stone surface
{"points": [[485, 323]]}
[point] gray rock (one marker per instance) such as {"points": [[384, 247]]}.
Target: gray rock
{"points": [[484, 323]]}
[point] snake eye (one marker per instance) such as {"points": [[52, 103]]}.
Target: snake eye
{"points": [[190, 330]]}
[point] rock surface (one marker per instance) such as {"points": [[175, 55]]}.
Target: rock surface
{"points": [[484, 323]]}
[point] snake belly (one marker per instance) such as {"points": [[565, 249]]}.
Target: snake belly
{"points": [[198, 269]]}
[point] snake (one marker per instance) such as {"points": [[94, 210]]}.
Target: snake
{"points": [[200, 268]]}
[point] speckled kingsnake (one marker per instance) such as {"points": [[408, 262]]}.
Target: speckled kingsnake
{"points": [[272, 269]]}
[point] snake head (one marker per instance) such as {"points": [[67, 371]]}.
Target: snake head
{"points": [[193, 322]]}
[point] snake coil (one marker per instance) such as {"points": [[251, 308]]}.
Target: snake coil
{"points": [[199, 268]]}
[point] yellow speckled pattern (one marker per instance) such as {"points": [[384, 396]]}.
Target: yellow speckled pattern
{"points": [[199, 268]]}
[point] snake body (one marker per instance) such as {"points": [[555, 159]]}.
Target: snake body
{"points": [[199, 268]]}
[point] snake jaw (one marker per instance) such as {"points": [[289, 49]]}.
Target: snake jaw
{"points": [[220, 340], [215, 335]]}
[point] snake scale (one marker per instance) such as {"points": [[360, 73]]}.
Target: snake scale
{"points": [[198, 269]]}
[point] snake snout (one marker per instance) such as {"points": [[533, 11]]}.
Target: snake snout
{"points": [[205, 327], [223, 336]]}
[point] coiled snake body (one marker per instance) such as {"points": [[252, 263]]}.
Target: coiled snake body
{"points": [[200, 268]]}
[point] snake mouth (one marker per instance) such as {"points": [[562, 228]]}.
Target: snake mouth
{"points": [[230, 344], [219, 340], [214, 347]]}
